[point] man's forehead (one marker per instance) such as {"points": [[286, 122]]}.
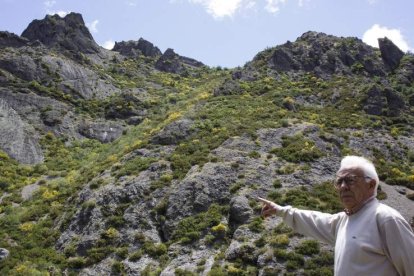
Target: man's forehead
{"points": [[346, 171]]}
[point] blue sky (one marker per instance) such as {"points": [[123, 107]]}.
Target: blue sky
{"points": [[225, 33]]}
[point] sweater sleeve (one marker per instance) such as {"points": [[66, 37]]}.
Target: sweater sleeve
{"points": [[398, 239], [321, 226]]}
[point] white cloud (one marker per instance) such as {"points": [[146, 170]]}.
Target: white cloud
{"points": [[49, 4], [109, 44], [131, 3], [372, 2], [371, 36], [60, 13], [220, 8], [273, 6], [93, 26]]}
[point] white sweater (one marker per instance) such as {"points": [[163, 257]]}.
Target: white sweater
{"points": [[376, 240]]}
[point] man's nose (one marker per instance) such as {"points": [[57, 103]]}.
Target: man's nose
{"points": [[343, 185]]}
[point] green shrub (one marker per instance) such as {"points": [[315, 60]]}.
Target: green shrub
{"points": [[134, 166], [277, 184], [191, 228], [76, 262], [235, 187], [298, 149], [183, 272], [308, 247], [280, 241], [155, 250], [254, 154], [135, 256], [256, 225], [117, 268]]}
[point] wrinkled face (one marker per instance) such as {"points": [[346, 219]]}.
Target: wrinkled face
{"points": [[353, 187]]}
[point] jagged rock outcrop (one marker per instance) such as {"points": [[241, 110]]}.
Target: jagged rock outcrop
{"points": [[390, 53], [12, 40], [68, 33], [383, 102], [174, 133], [323, 55], [171, 62], [105, 132], [137, 48], [75, 79]]}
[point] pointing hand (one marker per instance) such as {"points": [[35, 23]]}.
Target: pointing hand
{"points": [[269, 208]]}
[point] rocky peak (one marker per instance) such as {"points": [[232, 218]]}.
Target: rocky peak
{"points": [[390, 53], [323, 55], [68, 33], [173, 63], [11, 40], [135, 48]]}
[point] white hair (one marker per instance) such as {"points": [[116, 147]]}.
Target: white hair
{"points": [[352, 162]]}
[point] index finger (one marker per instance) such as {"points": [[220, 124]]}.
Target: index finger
{"points": [[264, 200]]}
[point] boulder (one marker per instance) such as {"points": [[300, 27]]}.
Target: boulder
{"points": [[390, 53], [174, 133], [104, 132], [240, 210], [4, 253]]}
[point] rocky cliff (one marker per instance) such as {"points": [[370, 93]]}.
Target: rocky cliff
{"points": [[138, 162]]}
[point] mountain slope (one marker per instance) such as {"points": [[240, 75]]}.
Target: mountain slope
{"points": [[137, 162]]}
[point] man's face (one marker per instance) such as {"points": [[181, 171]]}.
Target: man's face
{"points": [[353, 187]]}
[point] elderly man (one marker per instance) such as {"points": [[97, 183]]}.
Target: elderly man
{"points": [[370, 238]]}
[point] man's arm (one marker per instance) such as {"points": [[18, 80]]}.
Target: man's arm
{"points": [[398, 239], [314, 224]]}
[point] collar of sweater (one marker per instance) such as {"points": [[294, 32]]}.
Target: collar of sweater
{"points": [[352, 211]]}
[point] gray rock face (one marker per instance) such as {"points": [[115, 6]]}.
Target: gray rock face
{"points": [[68, 33], [390, 53], [137, 48], [405, 72], [17, 138], [11, 40], [75, 79], [105, 132], [284, 61], [4, 253], [383, 102], [395, 103], [174, 133], [171, 62], [229, 87], [197, 192], [375, 101]]}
